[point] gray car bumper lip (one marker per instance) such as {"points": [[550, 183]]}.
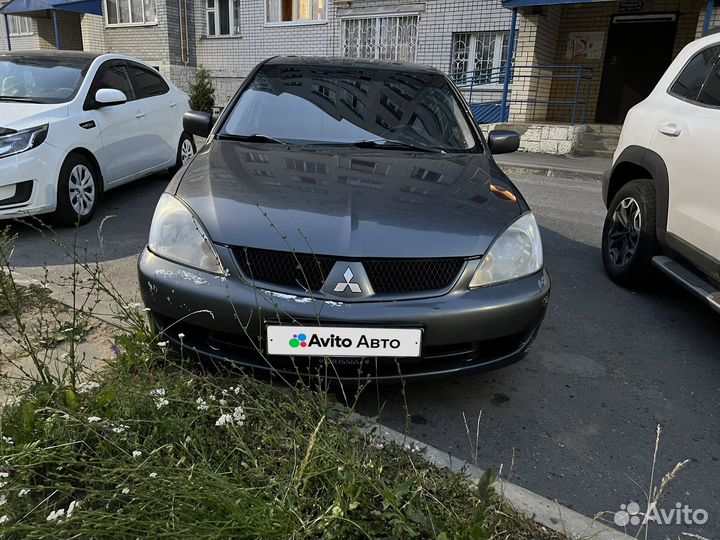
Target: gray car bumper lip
{"points": [[463, 331]]}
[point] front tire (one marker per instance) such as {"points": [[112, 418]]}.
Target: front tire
{"points": [[629, 239], [78, 191], [185, 152]]}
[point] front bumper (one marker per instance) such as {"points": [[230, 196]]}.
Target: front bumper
{"points": [[40, 167], [464, 331]]}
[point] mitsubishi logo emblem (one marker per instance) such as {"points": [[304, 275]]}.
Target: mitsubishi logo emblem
{"points": [[354, 287]]}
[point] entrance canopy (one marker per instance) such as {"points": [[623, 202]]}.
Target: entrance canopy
{"points": [[19, 7]]}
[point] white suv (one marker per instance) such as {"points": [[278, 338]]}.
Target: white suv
{"points": [[73, 125], [663, 191]]}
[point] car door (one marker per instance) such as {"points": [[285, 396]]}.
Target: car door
{"points": [[158, 115], [116, 124], [685, 136]]}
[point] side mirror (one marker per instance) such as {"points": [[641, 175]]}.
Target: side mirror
{"points": [[197, 123], [109, 96], [502, 141]]}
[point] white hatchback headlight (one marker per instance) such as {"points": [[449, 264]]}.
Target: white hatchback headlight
{"points": [[21, 141], [177, 234], [516, 253]]}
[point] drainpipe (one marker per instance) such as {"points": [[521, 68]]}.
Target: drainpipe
{"points": [[7, 33], [504, 106], [708, 16], [57, 31]]}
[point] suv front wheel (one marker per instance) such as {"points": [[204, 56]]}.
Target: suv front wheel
{"points": [[629, 239]]}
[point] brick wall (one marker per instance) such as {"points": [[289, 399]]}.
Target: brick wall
{"points": [[93, 33], [69, 30]]}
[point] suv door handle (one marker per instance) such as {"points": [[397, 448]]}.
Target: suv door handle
{"points": [[140, 115], [669, 129], [173, 105]]}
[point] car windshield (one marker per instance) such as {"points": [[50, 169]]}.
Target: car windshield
{"points": [[351, 106], [41, 80]]}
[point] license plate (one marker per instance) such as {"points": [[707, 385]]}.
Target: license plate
{"points": [[343, 341]]}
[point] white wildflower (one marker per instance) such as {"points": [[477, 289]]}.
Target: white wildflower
{"points": [[162, 344], [224, 419], [136, 453], [7, 440], [181, 336], [4, 474], [118, 429], [159, 395], [236, 390], [378, 446], [125, 491], [224, 392], [134, 305], [87, 386], [201, 404], [94, 418], [222, 402], [239, 416], [56, 514], [161, 402], [3, 500], [23, 492], [72, 507], [153, 475], [147, 310], [4, 519], [3, 484], [213, 398]]}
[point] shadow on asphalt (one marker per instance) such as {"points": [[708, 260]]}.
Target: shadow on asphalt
{"points": [[124, 213]]}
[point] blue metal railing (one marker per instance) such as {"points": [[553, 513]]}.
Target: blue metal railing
{"points": [[491, 100]]}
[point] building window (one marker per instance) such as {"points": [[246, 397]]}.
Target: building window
{"points": [[20, 26], [479, 57], [223, 17], [279, 11], [384, 38], [121, 12]]}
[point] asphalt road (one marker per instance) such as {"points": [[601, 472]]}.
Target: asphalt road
{"points": [[575, 421]]}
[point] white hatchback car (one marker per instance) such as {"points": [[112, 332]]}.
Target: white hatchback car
{"points": [[663, 191], [73, 125]]}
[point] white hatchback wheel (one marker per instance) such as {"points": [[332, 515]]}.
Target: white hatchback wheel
{"points": [[186, 151], [81, 187]]}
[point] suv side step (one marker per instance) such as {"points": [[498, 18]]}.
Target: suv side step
{"points": [[688, 279]]}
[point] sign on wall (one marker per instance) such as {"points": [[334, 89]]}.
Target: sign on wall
{"points": [[584, 46]]}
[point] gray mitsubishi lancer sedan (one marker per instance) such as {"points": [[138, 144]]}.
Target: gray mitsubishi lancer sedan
{"points": [[346, 218]]}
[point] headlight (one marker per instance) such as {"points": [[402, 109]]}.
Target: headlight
{"points": [[177, 234], [21, 141], [516, 253]]}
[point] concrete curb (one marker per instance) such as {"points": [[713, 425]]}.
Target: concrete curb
{"points": [[522, 169], [538, 508]]}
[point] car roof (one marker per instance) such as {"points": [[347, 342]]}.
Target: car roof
{"points": [[71, 55], [345, 63]]}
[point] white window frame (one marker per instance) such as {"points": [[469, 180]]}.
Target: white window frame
{"points": [[377, 17], [294, 22], [108, 24], [215, 12], [19, 20], [501, 36]]}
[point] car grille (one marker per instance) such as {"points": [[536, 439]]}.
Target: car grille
{"points": [[308, 271]]}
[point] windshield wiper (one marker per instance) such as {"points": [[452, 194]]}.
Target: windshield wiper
{"points": [[255, 137], [21, 99], [390, 143]]}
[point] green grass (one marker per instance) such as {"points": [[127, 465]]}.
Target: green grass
{"points": [[293, 467]]}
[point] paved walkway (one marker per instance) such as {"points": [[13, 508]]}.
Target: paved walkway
{"points": [[590, 168]]}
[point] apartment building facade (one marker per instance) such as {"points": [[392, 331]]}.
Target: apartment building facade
{"points": [[229, 37]]}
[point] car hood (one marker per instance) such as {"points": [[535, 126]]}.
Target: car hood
{"points": [[17, 116], [349, 202]]}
